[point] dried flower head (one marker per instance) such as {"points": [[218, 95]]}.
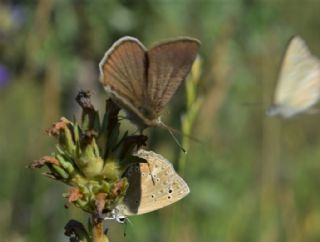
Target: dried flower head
{"points": [[91, 157]]}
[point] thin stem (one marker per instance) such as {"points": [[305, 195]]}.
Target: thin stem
{"points": [[98, 234], [193, 105]]}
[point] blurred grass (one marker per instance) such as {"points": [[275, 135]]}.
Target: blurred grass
{"points": [[252, 178]]}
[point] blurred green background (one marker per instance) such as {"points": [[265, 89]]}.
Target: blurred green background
{"points": [[252, 178]]}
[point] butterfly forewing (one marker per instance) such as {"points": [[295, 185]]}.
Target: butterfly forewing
{"points": [[142, 82], [168, 65], [299, 81], [123, 72], [152, 185]]}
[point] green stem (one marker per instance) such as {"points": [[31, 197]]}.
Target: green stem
{"points": [[193, 105]]}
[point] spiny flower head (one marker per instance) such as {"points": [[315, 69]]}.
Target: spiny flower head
{"points": [[92, 157]]}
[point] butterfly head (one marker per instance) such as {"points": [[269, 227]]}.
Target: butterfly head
{"points": [[115, 214], [278, 110], [273, 110]]}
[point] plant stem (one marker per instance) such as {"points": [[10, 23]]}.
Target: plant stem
{"points": [[98, 231], [192, 108]]}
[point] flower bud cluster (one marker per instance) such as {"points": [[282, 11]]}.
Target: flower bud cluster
{"points": [[92, 157]]}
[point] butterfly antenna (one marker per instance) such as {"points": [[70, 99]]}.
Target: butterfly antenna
{"points": [[126, 222], [173, 136], [186, 135]]}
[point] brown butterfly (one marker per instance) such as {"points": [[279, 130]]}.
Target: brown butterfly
{"points": [[143, 81]]}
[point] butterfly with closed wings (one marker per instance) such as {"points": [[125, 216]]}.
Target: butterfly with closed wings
{"points": [[152, 185], [298, 87]]}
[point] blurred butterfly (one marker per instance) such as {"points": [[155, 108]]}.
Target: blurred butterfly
{"points": [[298, 87], [152, 185], [143, 81]]}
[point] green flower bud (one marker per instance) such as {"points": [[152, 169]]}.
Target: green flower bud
{"points": [[89, 161], [111, 171], [66, 164]]}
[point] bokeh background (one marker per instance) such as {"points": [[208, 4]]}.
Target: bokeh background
{"points": [[252, 178]]}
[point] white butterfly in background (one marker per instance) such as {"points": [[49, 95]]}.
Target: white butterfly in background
{"points": [[298, 87]]}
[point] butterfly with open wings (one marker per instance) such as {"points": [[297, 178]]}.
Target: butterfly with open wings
{"points": [[143, 81]]}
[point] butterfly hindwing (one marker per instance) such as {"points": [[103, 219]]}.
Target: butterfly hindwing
{"points": [[152, 185], [168, 65]]}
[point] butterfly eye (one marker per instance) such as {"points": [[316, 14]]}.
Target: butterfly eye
{"points": [[121, 219]]}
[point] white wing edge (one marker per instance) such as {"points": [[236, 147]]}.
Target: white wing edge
{"points": [[112, 48]]}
